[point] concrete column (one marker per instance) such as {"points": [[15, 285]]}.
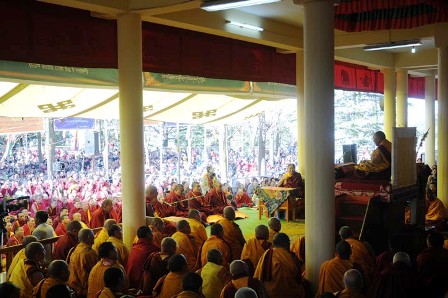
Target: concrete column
{"points": [[389, 101], [319, 135], [442, 158], [430, 122], [300, 106], [129, 32], [402, 99]]}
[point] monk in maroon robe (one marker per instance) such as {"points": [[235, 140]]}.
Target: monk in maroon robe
{"points": [[66, 242], [196, 201], [100, 215], [178, 201], [216, 198], [242, 199]]}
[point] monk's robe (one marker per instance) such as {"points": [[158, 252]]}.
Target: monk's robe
{"points": [[81, 261], [233, 236], [60, 230], [361, 256], [86, 216], [40, 290], [252, 252], [331, 275], [99, 217], [137, 257], [21, 274], [100, 238], [178, 203], [432, 263], [214, 278], [198, 203], [350, 293], [272, 233], [186, 246], [188, 294], [123, 252], [162, 209], [63, 246], [96, 276], [169, 228], [298, 247], [216, 200], [215, 242], [20, 255], [380, 160], [155, 266], [383, 262], [242, 199], [198, 232], [13, 240], [235, 284], [157, 236], [279, 271], [106, 293], [169, 285], [435, 211]]}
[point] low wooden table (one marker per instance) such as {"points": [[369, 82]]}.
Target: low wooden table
{"points": [[276, 198]]}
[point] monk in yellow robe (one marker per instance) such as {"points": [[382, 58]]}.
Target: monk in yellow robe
{"points": [[232, 232], [435, 210], [214, 275], [279, 270], [157, 228], [116, 237], [360, 253], [20, 255], [242, 279], [57, 274], [81, 261], [186, 244], [353, 285], [108, 255], [28, 273], [275, 226], [197, 228], [114, 283], [380, 159], [171, 284], [215, 241], [103, 235], [332, 272], [255, 247], [191, 286]]}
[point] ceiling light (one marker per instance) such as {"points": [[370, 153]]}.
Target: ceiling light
{"points": [[244, 25], [228, 4], [413, 50], [393, 45]]}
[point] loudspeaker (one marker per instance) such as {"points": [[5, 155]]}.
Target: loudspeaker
{"points": [[349, 153], [91, 144]]}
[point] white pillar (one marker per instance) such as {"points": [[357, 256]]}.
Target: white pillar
{"points": [[430, 123], [402, 99], [442, 160], [129, 32], [389, 101], [300, 106], [319, 135]]}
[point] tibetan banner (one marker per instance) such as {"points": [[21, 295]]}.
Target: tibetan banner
{"points": [[74, 123]]}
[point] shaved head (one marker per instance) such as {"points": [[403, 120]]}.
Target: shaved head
{"points": [[217, 230], [246, 292], [239, 268], [403, 258], [74, 227], [275, 224], [108, 223], [158, 224], [214, 256], [86, 236], [168, 246], [29, 239], [229, 213], [32, 249], [346, 232], [183, 226], [262, 232], [353, 279], [193, 213], [59, 269]]}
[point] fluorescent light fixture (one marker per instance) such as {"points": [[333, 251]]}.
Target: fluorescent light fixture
{"points": [[244, 25], [393, 45], [413, 50], [229, 4]]}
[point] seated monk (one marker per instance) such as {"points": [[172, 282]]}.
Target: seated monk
{"points": [[197, 228], [197, 201], [332, 272], [254, 248], [360, 253], [436, 213], [116, 237], [177, 200], [154, 207], [103, 235], [216, 198], [138, 255], [298, 248], [214, 275], [171, 284], [20, 255], [157, 227], [293, 179], [28, 273], [58, 273], [232, 232], [241, 278], [102, 214], [114, 283], [275, 226], [67, 242], [191, 286], [384, 260], [81, 260], [279, 270], [186, 244], [242, 199], [108, 255], [17, 238], [215, 241], [156, 265], [353, 285], [378, 167]]}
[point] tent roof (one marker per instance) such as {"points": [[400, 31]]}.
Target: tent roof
{"points": [[34, 90]]}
